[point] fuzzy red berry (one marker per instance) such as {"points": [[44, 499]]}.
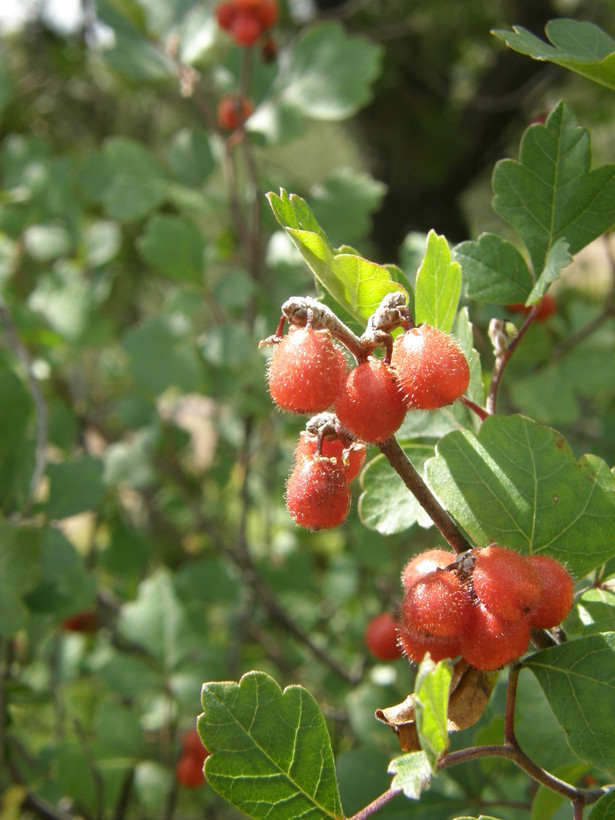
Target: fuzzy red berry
{"points": [[193, 745], [547, 307], [306, 371], [438, 604], [556, 592], [317, 493], [381, 637], [424, 563], [431, 368], [505, 582], [369, 403], [233, 111], [350, 456], [189, 772], [415, 645], [490, 641], [246, 29]]}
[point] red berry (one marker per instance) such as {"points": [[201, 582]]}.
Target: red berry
{"points": [[86, 622], [547, 307], [432, 370], [424, 563], [267, 12], [556, 592], [437, 605], [306, 371], [225, 14], [490, 641], [233, 111], [246, 29], [351, 456], [189, 772], [369, 403], [317, 493], [193, 746], [381, 637], [415, 646], [505, 582]]}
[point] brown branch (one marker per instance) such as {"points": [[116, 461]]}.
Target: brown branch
{"points": [[376, 804], [404, 468]]}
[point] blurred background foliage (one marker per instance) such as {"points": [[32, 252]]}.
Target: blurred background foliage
{"points": [[142, 470]]}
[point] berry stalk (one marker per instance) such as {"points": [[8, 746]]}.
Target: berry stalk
{"points": [[404, 468]]}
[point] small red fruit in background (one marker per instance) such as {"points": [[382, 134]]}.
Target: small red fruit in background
{"points": [[381, 637], [86, 622], [192, 745], [189, 772], [490, 641], [432, 370], [424, 563], [246, 20], [350, 456], [547, 307], [245, 29], [317, 493], [233, 111], [505, 582], [306, 371], [556, 592], [369, 403]]}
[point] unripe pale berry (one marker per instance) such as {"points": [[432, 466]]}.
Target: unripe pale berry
{"points": [[306, 371], [556, 592], [350, 456], [490, 641], [431, 368], [381, 637], [317, 493], [424, 563], [505, 582], [369, 403]]}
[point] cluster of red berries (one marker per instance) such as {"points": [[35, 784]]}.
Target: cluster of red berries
{"points": [[189, 768], [247, 20], [480, 605], [233, 111], [308, 374]]}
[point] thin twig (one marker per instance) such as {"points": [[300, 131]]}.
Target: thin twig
{"points": [[404, 468], [375, 805], [40, 453]]}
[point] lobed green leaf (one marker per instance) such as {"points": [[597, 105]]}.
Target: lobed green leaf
{"points": [[412, 774], [355, 283], [270, 750], [438, 285], [518, 484], [578, 679], [580, 46], [494, 270], [551, 194]]}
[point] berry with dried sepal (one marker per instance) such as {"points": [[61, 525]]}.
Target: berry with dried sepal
{"points": [[431, 368], [351, 456]]}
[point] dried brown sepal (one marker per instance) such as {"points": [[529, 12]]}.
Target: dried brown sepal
{"points": [[470, 691]]}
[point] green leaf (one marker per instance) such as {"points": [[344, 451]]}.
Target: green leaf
{"points": [[578, 45], [190, 157], [355, 283], [438, 285], [551, 193], [558, 257], [578, 678], [75, 486], [412, 774], [386, 505], [158, 620], [19, 573], [593, 611], [344, 202], [139, 60], [270, 751], [518, 484], [174, 247], [330, 72], [494, 270], [431, 694], [604, 809]]}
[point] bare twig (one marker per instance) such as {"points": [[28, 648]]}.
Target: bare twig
{"points": [[376, 804]]}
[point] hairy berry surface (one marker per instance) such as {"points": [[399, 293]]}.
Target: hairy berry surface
{"points": [[431, 368], [556, 592], [306, 371], [351, 456], [490, 641], [505, 582], [317, 493], [438, 604], [369, 403], [424, 563]]}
